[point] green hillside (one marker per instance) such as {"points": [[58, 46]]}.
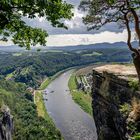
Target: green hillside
{"points": [[27, 124], [32, 68]]}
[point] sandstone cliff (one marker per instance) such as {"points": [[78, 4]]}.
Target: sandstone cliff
{"points": [[6, 124], [113, 110]]}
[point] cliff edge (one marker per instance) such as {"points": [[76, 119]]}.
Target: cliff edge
{"points": [[116, 102]]}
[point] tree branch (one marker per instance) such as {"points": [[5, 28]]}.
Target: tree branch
{"points": [[137, 28], [129, 36]]}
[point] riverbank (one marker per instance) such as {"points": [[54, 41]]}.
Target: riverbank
{"points": [[84, 100], [72, 121], [116, 98], [48, 80], [42, 112], [80, 97], [41, 109]]}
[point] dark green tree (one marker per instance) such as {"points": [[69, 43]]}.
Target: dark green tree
{"points": [[124, 12], [12, 25]]}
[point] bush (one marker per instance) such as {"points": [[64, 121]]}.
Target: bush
{"points": [[134, 84]]}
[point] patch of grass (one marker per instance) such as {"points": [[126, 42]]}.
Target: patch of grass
{"points": [[45, 83], [10, 75], [93, 54], [72, 82], [84, 100], [41, 109]]}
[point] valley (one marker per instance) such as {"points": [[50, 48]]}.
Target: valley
{"points": [[36, 71], [69, 69]]}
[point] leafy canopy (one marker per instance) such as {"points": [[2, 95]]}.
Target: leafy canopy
{"points": [[12, 24], [101, 12], [124, 12]]}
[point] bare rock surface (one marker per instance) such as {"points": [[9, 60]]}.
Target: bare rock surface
{"points": [[6, 124]]}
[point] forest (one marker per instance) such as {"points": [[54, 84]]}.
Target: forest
{"points": [[32, 68]]}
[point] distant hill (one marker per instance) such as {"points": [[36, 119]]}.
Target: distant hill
{"points": [[95, 46], [14, 48], [11, 48]]}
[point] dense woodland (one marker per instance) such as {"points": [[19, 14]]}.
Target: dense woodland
{"points": [[32, 67], [27, 124]]}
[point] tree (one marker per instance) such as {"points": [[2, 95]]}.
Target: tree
{"points": [[13, 26], [124, 12]]}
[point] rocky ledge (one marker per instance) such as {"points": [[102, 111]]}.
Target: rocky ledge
{"points": [[6, 124], [116, 102]]}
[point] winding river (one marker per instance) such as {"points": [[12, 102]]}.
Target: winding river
{"points": [[72, 121]]}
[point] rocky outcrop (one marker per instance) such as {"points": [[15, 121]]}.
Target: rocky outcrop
{"points": [[111, 91], [6, 124]]}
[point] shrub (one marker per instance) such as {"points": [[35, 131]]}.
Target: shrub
{"points": [[134, 84]]}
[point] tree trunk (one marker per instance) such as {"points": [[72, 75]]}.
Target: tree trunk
{"points": [[136, 61]]}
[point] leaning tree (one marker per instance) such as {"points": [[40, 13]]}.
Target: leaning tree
{"points": [[124, 12], [12, 25]]}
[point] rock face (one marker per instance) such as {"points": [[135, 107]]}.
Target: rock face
{"points": [[6, 124], [109, 93]]}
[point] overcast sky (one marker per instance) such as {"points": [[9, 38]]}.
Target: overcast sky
{"points": [[77, 33]]}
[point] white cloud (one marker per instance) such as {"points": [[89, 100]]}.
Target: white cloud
{"points": [[76, 21], [85, 39], [75, 25], [3, 43]]}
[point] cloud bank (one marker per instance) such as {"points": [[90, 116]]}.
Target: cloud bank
{"points": [[85, 39]]}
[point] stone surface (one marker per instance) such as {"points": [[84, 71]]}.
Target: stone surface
{"points": [[6, 124], [109, 92]]}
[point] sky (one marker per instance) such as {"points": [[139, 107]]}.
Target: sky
{"points": [[77, 33]]}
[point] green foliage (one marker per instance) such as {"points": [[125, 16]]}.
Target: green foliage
{"points": [[133, 128], [125, 109], [45, 83], [12, 24], [27, 124], [32, 68], [84, 100], [102, 12], [134, 84], [48, 80], [111, 1], [137, 136], [72, 82]]}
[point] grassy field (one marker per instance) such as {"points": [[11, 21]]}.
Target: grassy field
{"points": [[93, 54], [40, 105], [80, 97], [45, 83]]}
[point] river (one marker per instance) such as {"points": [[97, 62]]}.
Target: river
{"points": [[68, 117]]}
